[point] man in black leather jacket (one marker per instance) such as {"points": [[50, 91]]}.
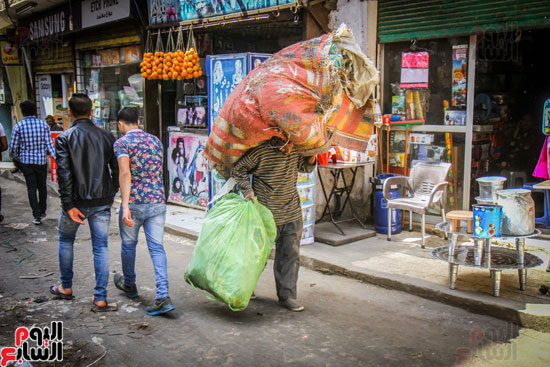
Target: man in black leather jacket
{"points": [[87, 171]]}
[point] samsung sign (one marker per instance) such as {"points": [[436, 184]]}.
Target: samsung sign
{"points": [[48, 26]]}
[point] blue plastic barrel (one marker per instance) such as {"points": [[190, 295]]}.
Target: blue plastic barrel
{"points": [[381, 207]]}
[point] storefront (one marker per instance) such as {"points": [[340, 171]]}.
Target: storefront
{"points": [[474, 70], [107, 53], [46, 40], [229, 43]]}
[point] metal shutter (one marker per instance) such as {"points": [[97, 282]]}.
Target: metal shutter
{"points": [[403, 20]]}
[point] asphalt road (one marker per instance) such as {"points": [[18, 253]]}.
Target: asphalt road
{"points": [[346, 323]]}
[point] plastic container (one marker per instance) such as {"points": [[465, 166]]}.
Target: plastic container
{"points": [[136, 82], [381, 206], [518, 211], [488, 187], [487, 220]]}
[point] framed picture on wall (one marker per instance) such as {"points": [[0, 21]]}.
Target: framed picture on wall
{"points": [[192, 112]]}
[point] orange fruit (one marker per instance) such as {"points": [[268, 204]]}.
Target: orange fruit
{"points": [[183, 73], [199, 72], [144, 75], [196, 67], [149, 71], [189, 70], [196, 74]]}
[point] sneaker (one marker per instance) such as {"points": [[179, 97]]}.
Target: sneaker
{"points": [[290, 304], [42, 216], [131, 291], [36, 221], [161, 305], [253, 296]]}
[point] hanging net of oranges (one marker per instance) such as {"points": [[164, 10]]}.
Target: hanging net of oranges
{"points": [[148, 58], [172, 62]]}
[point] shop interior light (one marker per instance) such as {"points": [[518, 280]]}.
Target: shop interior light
{"points": [[25, 8]]}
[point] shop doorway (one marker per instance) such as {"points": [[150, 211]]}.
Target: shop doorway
{"points": [[511, 85], [52, 96]]}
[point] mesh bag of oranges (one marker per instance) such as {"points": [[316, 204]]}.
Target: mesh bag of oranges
{"points": [[172, 62], [153, 59]]}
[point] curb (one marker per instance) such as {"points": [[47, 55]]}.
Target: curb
{"points": [[508, 310]]}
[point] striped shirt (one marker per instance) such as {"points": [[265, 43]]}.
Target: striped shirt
{"points": [[30, 140], [274, 179]]}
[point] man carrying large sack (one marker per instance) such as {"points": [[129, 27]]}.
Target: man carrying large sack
{"points": [[274, 168]]}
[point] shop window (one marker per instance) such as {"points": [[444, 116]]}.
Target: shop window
{"points": [[112, 79], [445, 89], [424, 96]]}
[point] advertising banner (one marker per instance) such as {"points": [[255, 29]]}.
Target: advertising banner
{"points": [[170, 11]]}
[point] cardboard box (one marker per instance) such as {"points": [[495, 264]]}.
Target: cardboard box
{"points": [[344, 155]]}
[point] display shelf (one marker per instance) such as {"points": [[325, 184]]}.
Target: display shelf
{"points": [[112, 65]]}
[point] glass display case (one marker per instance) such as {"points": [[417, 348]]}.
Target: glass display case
{"points": [[113, 81]]}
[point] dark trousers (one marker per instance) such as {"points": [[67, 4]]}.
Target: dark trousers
{"points": [[287, 258], [35, 177]]}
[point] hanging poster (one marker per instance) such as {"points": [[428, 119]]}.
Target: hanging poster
{"points": [[188, 170], [10, 55], [45, 94], [460, 72], [414, 69], [165, 11], [226, 72]]}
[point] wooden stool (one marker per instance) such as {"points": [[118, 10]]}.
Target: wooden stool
{"points": [[456, 216]]}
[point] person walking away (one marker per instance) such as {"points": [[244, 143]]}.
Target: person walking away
{"points": [[30, 142], [52, 124], [3, 148], [140, 158], [88, 181], [274, 168]]}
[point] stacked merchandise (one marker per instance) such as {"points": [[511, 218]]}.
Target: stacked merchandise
{"points": [[306, 191]]}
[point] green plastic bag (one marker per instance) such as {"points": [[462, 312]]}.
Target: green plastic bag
{"points": [[233, 247]]}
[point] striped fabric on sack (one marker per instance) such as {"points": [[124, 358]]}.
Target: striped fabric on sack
{"points": [[300, 95]]}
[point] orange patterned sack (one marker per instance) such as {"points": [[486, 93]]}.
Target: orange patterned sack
{"points": [[299, 94]]}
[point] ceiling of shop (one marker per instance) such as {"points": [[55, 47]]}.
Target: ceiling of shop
{"points": [[40, 5]]}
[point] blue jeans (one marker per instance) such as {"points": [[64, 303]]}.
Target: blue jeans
{"points": [[98, 219], [152, 218]]}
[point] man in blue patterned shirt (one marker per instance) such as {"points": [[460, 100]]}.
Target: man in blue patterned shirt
{"points": [[30, 142], [140, 157]]}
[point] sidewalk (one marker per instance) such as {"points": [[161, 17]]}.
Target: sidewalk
{"points": [[403, 265]]}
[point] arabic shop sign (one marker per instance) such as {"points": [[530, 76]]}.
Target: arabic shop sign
{"points": [[95, 12], [170, 11]]}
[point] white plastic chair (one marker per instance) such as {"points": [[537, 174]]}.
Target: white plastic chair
{"points": [[425, 188]]}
